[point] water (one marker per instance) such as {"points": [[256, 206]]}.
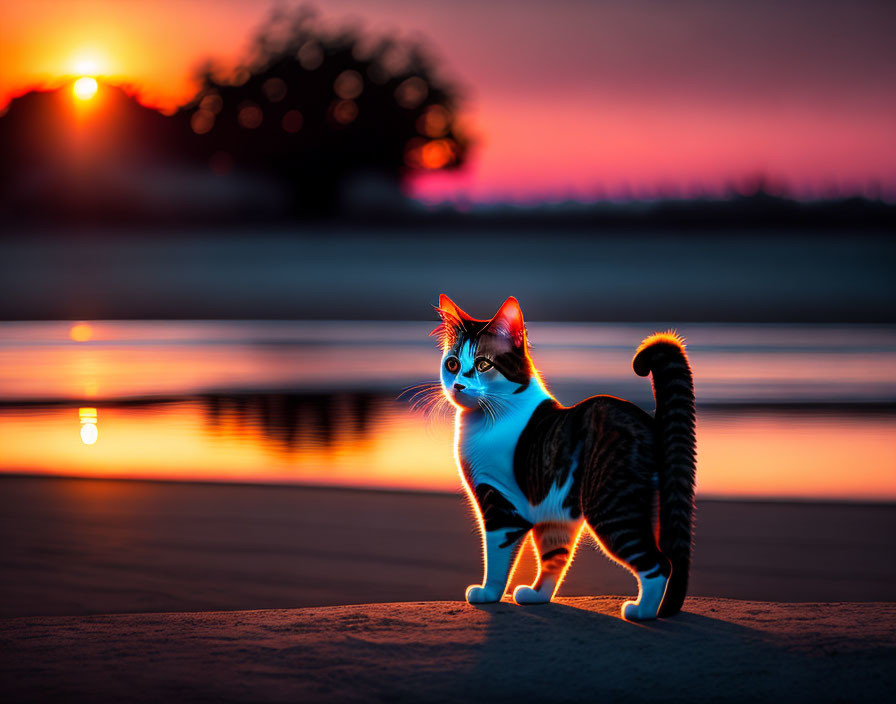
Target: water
{"points": [[804, 411]]}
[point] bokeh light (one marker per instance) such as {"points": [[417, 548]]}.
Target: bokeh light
{"points": [[310, 56], [202, 121], [250, 116], [434, 122], [274, 89], [212, 102], [240, 76], [411, 92], [437, 154], [348, 85], [345, 111]]}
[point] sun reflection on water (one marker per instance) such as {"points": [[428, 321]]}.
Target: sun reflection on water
{"points": [[89, 432], [373, 441], [80, 332], [782, 411]]}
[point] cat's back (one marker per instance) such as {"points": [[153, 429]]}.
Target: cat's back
{"points": [[554, 427], [606, 413], [559, 439]]}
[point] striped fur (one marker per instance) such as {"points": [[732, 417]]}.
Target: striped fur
{"points": [[531, 465], [664, 356]]}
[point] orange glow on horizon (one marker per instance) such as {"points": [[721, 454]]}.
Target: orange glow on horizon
{"points": [[635, 132], [120, 42], [80, 332]]}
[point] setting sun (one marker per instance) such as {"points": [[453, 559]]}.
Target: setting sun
{"points": [[85, 88]]}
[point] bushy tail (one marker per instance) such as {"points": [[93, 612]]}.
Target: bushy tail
{"points": [[663, 355]]}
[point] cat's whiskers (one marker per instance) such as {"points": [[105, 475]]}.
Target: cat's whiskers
{"points": [[499, 404], [428, 399], [487, 410], [493, 407]]}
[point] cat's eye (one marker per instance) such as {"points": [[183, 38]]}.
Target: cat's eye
{"points": [[452, 365], [483, 365]]}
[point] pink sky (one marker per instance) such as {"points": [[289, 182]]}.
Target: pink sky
{"points": [[567, 98]]}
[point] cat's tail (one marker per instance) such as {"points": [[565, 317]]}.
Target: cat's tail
{"points": [[663, 356]]}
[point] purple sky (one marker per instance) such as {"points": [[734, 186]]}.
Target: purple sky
{"points": [[572, 98]]}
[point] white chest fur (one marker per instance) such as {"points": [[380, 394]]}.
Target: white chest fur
{"points": [[487, 448]]}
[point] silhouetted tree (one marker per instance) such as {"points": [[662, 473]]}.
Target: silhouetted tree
{"points": [[320, 110]]}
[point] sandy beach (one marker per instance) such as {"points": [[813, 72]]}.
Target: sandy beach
{"points": [[160, 591], [85, 546], [572, 651]]}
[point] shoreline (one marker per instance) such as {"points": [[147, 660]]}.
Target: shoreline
{"points": [[711, 498], [245, 274]]}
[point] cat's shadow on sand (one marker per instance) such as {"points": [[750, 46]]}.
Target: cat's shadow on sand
{"points": [[538, 652]]}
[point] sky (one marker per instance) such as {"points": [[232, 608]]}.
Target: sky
{"points": [[565, 99]]}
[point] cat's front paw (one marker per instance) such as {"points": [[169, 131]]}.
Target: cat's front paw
{"points": [[525, 594], [478, 594]]}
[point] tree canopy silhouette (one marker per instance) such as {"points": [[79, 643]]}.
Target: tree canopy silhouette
{"points": [[317, 109]]}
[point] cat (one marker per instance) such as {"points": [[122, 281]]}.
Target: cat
{"points": [[531, 465]]}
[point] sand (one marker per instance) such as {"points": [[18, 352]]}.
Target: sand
{"points": [[574, 650], [73, 552], [70, 547]]}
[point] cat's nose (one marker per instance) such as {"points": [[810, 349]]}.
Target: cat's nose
{"points": [[459, 387]]}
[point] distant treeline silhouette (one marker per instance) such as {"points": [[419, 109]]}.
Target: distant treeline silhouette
{"points": [[312, 124], [314, 120], [712, 215]]}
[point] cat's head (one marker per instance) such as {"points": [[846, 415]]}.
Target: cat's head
{"points": [[484, 362]]}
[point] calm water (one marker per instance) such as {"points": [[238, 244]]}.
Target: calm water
{"points": [[784, 411]]}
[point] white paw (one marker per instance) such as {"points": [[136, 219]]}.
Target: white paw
{"points": [[632, 611], [478, 594], [524, 594]]}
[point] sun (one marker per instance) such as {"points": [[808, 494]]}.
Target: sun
{"points": [[85, 88]]}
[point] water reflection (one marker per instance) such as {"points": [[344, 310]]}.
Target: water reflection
{"points": [[370, 440], [89, 432], [784, 411], [290, 421]]}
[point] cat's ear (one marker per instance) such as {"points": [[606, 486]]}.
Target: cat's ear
{"points": [[452, 322], [449, 308], [509, 321]]}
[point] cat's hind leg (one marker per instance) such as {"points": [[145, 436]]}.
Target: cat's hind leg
{"points": [[555, 543], [631, 541]]}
